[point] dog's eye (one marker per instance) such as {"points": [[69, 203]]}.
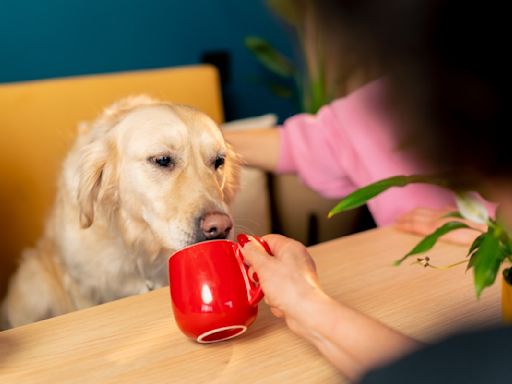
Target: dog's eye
{"points": [[219, 162], [163, 161]]}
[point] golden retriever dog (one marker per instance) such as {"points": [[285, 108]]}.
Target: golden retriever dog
{"points": [[146, 178]]}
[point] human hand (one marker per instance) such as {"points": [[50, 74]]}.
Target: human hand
{"points": [[424, 221], [288, 278]]}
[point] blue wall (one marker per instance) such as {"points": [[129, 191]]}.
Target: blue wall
{"points": [[52, 38]]}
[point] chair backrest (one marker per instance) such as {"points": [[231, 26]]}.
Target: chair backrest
{"points": [[38, 121]]}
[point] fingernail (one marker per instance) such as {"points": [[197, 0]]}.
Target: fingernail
{"points": [[255, 277], [243, 239]]}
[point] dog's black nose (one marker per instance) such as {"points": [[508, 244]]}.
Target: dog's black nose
{"points": [[216, 225]]}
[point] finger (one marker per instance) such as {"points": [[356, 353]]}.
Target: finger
{"points": [[425, 221], [412, 216], [255, 254], [253, 276], [282, 245], [278, 242], [415, 224], [461, 237], [277, 312], [425, 214]]}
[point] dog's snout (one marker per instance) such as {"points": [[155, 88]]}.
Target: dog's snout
{"points": [[216, 225]]}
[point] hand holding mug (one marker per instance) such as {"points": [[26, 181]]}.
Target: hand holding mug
{"points": [[288, 278], [213, 297]]}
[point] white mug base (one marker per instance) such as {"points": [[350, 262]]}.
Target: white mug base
{"points": [[226, 334]]}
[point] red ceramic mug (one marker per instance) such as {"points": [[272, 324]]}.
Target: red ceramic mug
{"points": [[213, 298]]}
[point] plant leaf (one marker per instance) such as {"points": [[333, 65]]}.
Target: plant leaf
{"points": [[507, 248], [360, 196], [476, 244], [288, 11], [318, 96], [270, 57], [471, 209], [429, 241], [486, 262], [454, 214], [280, 90]]}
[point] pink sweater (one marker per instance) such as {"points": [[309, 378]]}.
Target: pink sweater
{"points": [[349, 144]]}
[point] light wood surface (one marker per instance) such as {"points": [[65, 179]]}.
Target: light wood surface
{"points": [[135, 340]]}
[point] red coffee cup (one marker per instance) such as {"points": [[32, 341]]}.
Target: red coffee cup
{"points": [[213, 298]]}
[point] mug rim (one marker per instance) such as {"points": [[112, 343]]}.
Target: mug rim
{"points": [[200, 242]]}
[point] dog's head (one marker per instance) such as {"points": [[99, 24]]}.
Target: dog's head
{"points": [[161, 172]]}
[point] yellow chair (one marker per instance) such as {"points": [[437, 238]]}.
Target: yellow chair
{"points": [[38, 121]]}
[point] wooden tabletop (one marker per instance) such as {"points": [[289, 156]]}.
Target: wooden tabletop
{"points": [[135, 340]]}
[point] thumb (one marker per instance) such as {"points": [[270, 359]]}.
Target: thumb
{"points": [[255, 254]]}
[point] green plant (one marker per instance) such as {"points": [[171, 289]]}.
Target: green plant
{"points": [[312, 88], [488, 251]]}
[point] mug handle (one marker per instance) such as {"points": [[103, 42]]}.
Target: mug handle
{"points": [[255, 293]]}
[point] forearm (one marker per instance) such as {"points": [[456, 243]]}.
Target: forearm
{"points": [[352, 341], [256, 147]]}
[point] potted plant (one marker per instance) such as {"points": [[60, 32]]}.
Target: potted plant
{"points": [[486, 254], [316, 76]]}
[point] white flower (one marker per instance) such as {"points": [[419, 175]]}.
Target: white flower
{"points": [[471, 209]]}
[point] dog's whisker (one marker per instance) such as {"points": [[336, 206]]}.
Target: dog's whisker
{"points": [[246, 219], [244, 229], [251, 223]]}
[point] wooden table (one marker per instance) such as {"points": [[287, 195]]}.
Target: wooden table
{"points": [[135, 340]]}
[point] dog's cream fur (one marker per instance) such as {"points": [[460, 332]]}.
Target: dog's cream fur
{"points": [[118, 214]]}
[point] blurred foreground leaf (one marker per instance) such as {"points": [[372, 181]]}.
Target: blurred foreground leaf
{"points": [[360, 197]]}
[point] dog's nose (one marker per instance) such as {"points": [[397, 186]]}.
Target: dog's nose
{"points": [[216, 225]]}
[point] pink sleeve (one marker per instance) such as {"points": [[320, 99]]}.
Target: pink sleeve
{"points": [[350, 144], [308, 147]]}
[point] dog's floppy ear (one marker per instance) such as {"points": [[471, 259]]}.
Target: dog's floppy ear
{"points": [[95, 178]]}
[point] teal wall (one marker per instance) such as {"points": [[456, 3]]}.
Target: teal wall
{"points": [[52, 38]]}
